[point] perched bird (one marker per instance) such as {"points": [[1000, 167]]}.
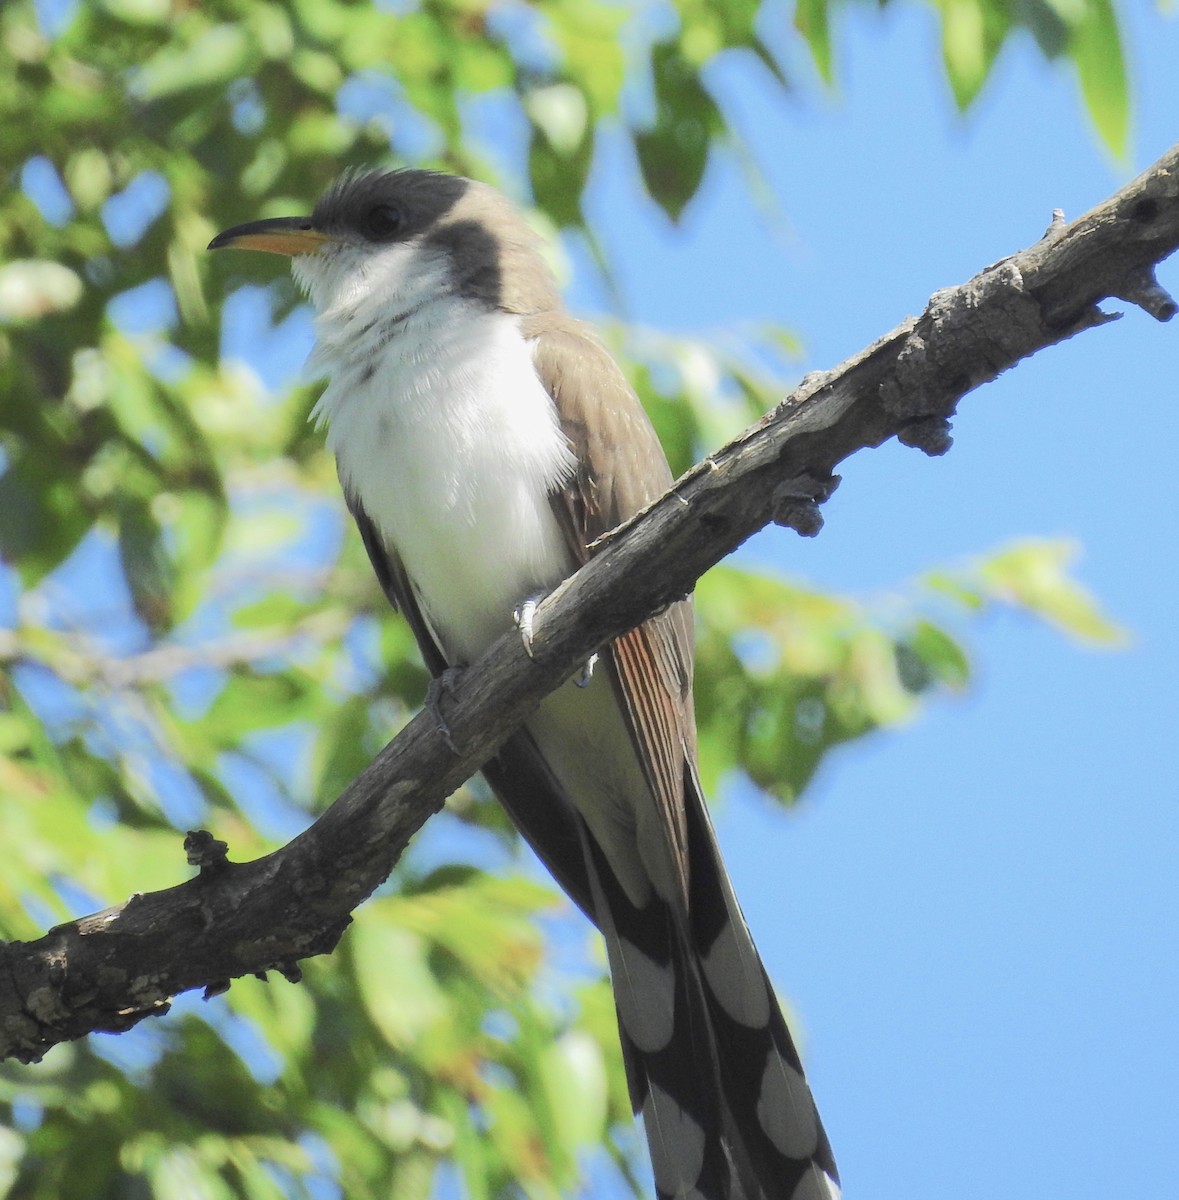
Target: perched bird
{"points": [[484, 439]]}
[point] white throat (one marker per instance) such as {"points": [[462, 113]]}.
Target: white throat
{"points": [[442, 433]]}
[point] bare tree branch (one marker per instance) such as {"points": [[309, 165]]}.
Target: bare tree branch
{"points": [[78, 659], [109, 970]]}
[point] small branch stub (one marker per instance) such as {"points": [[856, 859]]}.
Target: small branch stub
{"points": [[1141, 287], [930, 435], [1056, 225], [796, 503], [205, 851]]}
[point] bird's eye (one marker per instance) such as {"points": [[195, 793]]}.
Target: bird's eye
{"points": [[383, 221]]}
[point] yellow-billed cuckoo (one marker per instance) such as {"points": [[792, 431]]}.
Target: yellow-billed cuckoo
{"points": [[484, 440]]}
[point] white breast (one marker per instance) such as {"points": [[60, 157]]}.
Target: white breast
{"points": [[452, 446]]}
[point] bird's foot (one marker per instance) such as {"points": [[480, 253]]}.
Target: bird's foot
{"points": [[523, 616], [442, 688], [587, 672]]}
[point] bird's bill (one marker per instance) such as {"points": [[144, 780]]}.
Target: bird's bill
{"points": [[275, 235]]}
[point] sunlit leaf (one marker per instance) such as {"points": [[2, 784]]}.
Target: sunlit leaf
{"points": [[972, 33], [812, 20], [213, 58], [1034, 576], [673, 152], [575, 1081], [401, 995], [1096, 48]]}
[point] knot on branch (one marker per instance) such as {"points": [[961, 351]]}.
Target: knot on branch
{"points": [[290, 971], [930, 434], [795, 504], [205, 851], [965, 337]]}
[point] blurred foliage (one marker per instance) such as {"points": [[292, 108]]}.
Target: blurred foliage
{"points": [[1085, 33], [190, 634]]}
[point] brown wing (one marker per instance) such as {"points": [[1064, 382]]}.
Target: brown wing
{"points": [[621, 469], [731, 1067]]}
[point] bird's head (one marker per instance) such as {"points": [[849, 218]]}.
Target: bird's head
{"points": [[388, 239]]}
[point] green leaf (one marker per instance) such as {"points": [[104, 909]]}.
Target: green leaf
{"points": [[139, 12], [559, 152], [939, 656], [284, 1013], [41, 521], [674, 151], [146, 565], [812, 20], [1096, 49], [972, 33], [471, 1150], [1034, 575], [213, 58], [197, 520], [589, 38], [401, 996], [487, 923], [276, 610], [342, 748], [1049, 21], [249, 702], [575, 1082], [179, 1173]]}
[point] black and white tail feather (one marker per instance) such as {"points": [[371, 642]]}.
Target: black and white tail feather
{"points": [[711, 1065]]}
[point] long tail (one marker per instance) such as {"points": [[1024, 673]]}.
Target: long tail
{"points": [[710, 1061], [782, 1141]]}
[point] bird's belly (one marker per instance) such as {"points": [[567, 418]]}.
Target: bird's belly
{"points": [[453, 451], [471, 571]]}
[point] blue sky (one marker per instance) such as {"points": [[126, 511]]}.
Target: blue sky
{"points": [[975, 918]]}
